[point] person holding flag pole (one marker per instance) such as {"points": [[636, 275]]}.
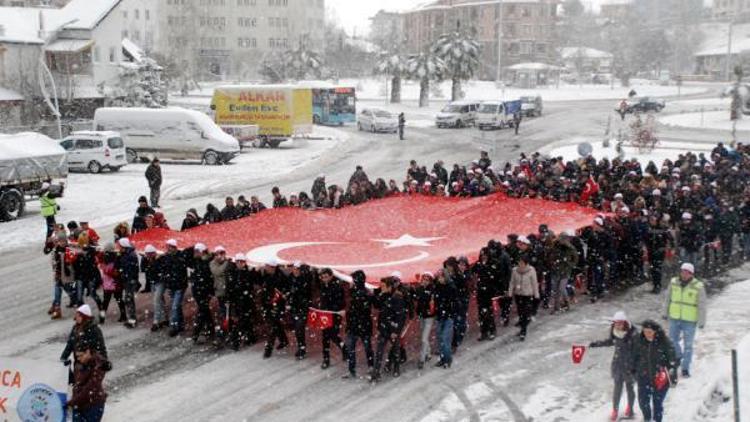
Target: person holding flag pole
{"points": [[622, 334], [332, 303]]}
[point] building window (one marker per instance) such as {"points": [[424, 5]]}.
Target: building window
{"points": [[97, 55], [541, 48], [137, 14], [124, 14], [526, 47], [148, 14], [247, 22], [137, 35], [246, 2], [124, 33], [112, 55], [246, 42]]}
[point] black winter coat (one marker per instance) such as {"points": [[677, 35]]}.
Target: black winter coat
{"points": [[150, 267], [487, 284], [359, 315], [87, 333], [201, 278], [240, 293], [425, 298], [392, 316], [300, 294], [622, 359], [649, 356], [332, 296], [85, 267], [153, 176], [127, 267], [446, 296], [173, 271]]}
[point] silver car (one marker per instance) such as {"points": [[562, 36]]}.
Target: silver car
{"points": [[377, 120]]}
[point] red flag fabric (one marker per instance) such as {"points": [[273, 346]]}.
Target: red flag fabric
{"points": [[410, 234], [319, 319], [590, 189], [577, 354]]}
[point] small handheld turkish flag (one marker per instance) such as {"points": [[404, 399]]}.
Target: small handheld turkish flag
{"points": [[321, 320], [577, 354]]}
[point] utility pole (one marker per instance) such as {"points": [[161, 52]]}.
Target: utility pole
{"points": [[728, 65], [499, 76]]}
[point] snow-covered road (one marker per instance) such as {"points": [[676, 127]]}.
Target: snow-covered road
{"points": [[158, 378]]}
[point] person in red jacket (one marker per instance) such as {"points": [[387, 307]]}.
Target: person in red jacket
{"points": [[89, 397]]}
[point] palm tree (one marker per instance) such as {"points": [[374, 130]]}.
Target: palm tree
{"points": [[460, 52], [394, 66], [425, 67]]}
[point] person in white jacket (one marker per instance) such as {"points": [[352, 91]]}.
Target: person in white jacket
{"points": [[524, 288]]}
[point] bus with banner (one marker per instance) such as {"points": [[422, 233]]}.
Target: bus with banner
{"points": [[333, 105]]}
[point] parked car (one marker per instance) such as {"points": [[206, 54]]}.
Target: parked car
{"points": [[174, 133], [95, 151], [497, 114], [457, 114], [531, 106], [377, 120], [641, 105]]}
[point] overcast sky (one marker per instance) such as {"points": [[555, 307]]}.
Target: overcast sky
{"points": [[353, 14]]}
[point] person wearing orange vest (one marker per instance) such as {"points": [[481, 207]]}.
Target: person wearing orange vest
{"points": [[686, 311]]}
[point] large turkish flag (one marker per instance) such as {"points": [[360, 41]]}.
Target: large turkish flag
{"points": [[408, 234]]}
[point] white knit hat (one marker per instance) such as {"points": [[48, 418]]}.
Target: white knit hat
{"points": [[125, 243], [84, 310], [150, 249], [172, 243], [240, 257], [688, 267], [219, 249], [200, 247], [620, 316]]}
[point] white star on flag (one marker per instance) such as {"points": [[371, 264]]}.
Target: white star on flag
{"points": [[408, 240]]}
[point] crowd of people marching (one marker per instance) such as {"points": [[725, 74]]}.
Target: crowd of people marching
{"points": [[692, 211]]}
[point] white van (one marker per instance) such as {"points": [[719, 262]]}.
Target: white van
{"points": [[457, 114], [492, 115], [94, 151], [172, 133]]}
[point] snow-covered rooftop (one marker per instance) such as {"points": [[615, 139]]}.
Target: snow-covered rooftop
{"points": [[86, 13], [9, 95], [133, 50], [590, 53], [23, 24], [435, 5], [716, 36], [533, 66]]}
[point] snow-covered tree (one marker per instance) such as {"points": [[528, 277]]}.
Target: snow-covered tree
{"points": [[140, 84], [460, 53], [299, 64], [425, 67], [393, 65]]}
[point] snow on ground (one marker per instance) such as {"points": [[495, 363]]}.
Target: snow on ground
{"points": [[94, 197], [374, 89], [568, 149], [708, 120]]}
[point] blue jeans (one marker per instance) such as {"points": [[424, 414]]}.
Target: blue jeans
{"points": [[686, 330], [92, 414], [746, 245], [59, 287], [160, 307], [460, 324], [647, 395], [445, 336], [351, 347], [175, 314]]}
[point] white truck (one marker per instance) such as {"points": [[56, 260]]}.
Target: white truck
{"points": [[173, 133], [26, 161], [497, 114]]}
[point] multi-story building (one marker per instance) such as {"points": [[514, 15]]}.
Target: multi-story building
{"points": [[616, 10], [214, 39], [387, 30], [527, 29], [736, 10]]}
